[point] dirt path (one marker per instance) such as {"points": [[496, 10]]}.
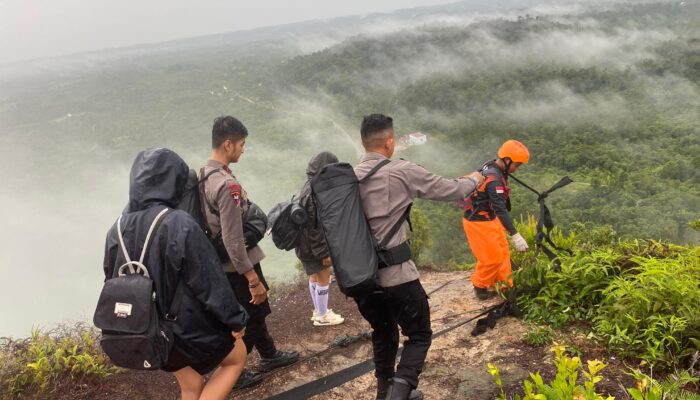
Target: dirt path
{"points": [[455, 367], [456, 362]]}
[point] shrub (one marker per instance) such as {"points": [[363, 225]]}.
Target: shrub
{"points": [[568, 385], [641, 297], [672, 387], [538, 336], [565, 384], [653, 311], [47, 359]]}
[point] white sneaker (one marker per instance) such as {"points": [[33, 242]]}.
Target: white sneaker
{"points": [[329, 319], [314, 315]]}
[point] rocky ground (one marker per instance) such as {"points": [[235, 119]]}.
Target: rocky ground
{"points": [[455, 368]]}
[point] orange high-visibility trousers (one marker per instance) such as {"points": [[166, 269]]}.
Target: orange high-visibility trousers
{"points": [[488, 242]]}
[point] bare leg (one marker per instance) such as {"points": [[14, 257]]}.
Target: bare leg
{"points": [[223, 379], [191, 383], [323, 277]]}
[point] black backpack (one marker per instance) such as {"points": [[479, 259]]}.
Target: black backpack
{"points": [[355, 253], [133, 335], [286, 222]]}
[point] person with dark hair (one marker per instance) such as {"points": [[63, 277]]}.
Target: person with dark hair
{"points": [[210, 335], [225, 202], [400, 300], [313, 251]]}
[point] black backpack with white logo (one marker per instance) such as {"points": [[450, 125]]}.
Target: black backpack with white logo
{"points": [[133, 334]]}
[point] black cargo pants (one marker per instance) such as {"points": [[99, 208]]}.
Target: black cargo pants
{"points": [[256, 334], [404, 305]]}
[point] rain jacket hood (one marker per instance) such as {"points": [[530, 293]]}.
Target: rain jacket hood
{"points": [[319, 161], [158, 176]]}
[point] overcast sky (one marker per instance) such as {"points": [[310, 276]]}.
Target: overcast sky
{"points": [[43, 28]]}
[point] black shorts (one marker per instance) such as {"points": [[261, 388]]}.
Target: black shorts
{"points": [[179, 359], [313, 267]]}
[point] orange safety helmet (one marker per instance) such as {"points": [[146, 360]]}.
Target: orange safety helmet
{"points": [[516, 151]]}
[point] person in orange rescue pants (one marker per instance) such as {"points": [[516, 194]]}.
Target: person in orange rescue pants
{"points": [[487, 219]]}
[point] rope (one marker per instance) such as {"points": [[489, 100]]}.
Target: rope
{"points": [[341, 377], [364, 335]]}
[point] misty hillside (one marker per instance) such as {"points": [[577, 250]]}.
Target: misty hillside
{"points": [[606, 92]]}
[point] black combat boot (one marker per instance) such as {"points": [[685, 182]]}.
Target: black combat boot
{"points": [[280, 359], [382, 388], [401, 390], [483, 294], [248, 379]]}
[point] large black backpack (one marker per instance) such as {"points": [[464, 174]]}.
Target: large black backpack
{"points": [[356, 255], [133, 335], [287, 220]]}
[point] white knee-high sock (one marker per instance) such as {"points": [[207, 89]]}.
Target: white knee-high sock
{"points": [[312, 289], [322, 299]]}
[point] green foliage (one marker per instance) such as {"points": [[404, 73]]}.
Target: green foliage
{"points": [[641, 297], [565, 384], [538, 336], [653, 310], [48, 359], [419, 237], [671, 388], [695, 225], [568, 385]]}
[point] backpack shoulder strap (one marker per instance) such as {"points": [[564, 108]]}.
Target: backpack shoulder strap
{"points": [[140, 267], [406, 216], [171, 315], [154, 227], [203, 177], [375, 169], [203, 203]]}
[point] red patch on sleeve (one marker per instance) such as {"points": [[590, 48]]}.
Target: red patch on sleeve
{"points": [[235, 192]]}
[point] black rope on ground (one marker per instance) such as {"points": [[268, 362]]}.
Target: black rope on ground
{"points": [[344, 341], [341, 377], [443, 285]]}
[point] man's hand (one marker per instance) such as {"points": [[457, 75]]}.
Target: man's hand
{"points": [[519, 243], [476, 177], [257, 292], [238, 335], [327, 262]]}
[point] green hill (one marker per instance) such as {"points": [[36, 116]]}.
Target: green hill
{"points": [[608, 93]]}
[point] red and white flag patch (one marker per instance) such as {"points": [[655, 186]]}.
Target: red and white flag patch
{"points": [[235, 192]]}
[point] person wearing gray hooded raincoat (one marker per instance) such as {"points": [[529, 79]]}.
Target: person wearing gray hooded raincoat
{"points": [[313, 251]]}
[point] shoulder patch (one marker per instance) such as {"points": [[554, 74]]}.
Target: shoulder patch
{"points": [[235, 192]]}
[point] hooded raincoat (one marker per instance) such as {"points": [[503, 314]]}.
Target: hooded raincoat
{"points": [[179, 251], [312, 248]]}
